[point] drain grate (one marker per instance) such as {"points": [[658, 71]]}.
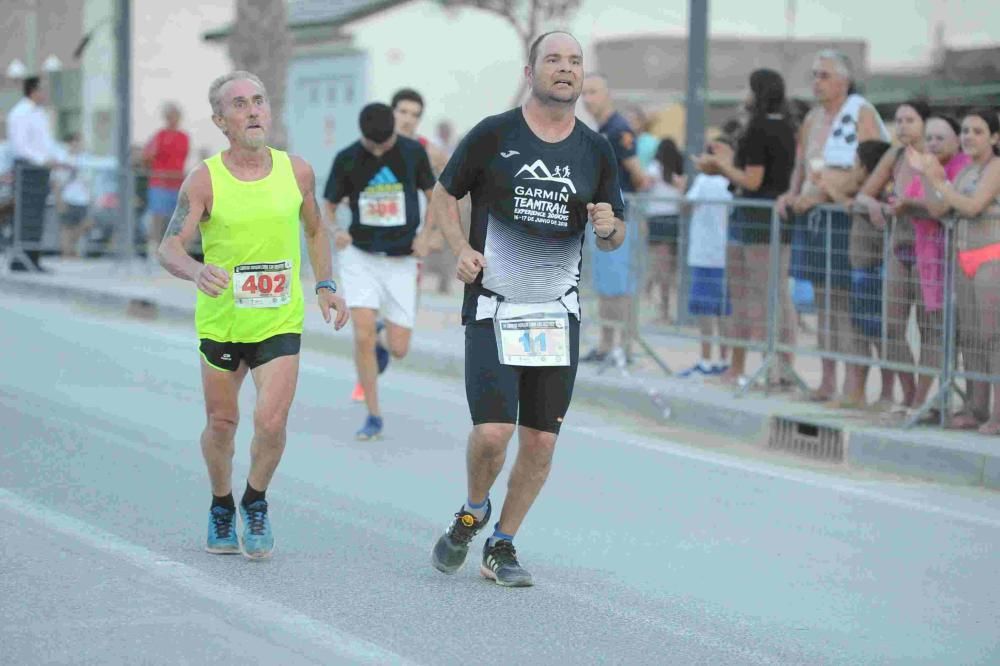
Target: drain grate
{"points": [[807, 439]]}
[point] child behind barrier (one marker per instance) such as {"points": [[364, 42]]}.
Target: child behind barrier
{"points": [[708, 299]]}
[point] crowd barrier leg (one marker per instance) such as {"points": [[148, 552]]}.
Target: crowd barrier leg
{"points": [[17, 250], [773, 360]]}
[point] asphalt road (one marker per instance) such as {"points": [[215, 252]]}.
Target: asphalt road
{"points": [[646, 547]]}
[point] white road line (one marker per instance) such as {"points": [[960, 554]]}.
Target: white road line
{"points": [[280, 616], [811, 480], [678, 450]]}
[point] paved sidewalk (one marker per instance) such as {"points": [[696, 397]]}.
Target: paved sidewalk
{"points": [[870, 440]]}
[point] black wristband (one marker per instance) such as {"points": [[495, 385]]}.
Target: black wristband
{"points": [[609, 236]]}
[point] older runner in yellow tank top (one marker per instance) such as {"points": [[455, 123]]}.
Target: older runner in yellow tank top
{"points": [[248, 201]]}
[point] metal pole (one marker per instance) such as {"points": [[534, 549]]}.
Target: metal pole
{"points": [[828, 295], [884, 278], [949, 305], [123, 89], [694, 140], [773, 302]]}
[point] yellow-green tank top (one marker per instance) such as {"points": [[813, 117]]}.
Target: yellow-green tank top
{"points": [[253, 226]]}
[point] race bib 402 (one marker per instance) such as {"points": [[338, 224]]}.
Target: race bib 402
{"points": [[262, 285]]}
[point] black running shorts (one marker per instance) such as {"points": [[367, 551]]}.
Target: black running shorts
{"points": [[533, 397], [228, 355]]}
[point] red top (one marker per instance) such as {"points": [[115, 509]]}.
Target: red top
{"points": [[166, 153]]}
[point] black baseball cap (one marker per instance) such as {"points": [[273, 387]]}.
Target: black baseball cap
{"points": [[377, 122]]}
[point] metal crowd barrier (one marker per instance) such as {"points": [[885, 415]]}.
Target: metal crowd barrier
{"points": [[40, 215], [885, 298]]}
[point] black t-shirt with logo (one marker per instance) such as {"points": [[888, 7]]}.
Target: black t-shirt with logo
{"points": [[529, 205], [385, 210]]}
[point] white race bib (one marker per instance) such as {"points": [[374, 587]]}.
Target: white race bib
{"points": [[535, 340], [382, 209], [262, 285]]}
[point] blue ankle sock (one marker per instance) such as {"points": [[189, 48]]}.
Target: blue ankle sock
{"points": [[499, 536], [477, 510]]}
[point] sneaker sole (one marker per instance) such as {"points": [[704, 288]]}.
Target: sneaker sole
{"points": [[367, 438], [222, 551], [255, 556], [444, 569], [489, 575]]}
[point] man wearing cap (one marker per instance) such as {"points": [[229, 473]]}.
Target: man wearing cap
{"points": [[381, 174]]}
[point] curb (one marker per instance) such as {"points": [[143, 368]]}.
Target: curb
{"points": [[932, 455]]}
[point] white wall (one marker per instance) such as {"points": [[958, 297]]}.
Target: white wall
{"points": [[172, 63]]}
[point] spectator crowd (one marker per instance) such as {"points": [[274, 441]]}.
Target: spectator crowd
{"points": [[829, 204]]}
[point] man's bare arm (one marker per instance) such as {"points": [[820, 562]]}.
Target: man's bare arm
{"points": [[868, 125], [799, 170], [317, 240], [443, 210], [191, 209]]}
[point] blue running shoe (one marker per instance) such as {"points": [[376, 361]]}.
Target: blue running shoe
{"points": [[451, 548], [381, 357], [501, 566], [222, 539], [258, 542], [372, 429]]}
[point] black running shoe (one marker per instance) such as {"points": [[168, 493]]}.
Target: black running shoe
{"points": [[500, 565], [450, 550]]}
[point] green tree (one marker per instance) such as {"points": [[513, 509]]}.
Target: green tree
{"points": [[261, 43], [528, 18]]}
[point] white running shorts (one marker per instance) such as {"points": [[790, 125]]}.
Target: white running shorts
{"points": [[378, 282]]}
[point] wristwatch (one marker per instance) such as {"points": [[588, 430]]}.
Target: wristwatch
{"points": [[609, 236], [326, 284]]}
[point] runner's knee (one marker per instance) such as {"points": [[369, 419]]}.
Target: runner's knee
{"points": [[270, 423], [494, 435], [222, 425], [364, 338], [399, 348], [538, 443]]}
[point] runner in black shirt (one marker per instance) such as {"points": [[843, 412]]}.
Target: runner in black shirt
{"points": [[537, 175], [380, 174]]}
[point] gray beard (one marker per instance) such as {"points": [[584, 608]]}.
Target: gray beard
{"points": [[254, 143]]}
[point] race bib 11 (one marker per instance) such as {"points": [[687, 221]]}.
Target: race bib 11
{"points": [[533, 340]]}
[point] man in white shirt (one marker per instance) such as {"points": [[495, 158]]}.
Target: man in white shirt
{"points": [[33, 148]]}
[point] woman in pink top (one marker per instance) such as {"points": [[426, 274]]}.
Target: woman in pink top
{"points": [[975, 200], [940, 140]]}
